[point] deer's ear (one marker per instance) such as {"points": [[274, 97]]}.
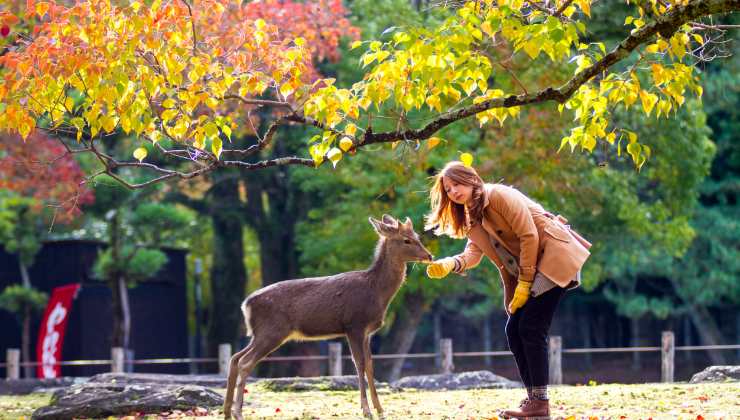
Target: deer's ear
{"points": [[389, 220], [382, 228], [408, 224]]}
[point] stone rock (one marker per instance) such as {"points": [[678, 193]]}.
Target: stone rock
{"points": [[211, 381], [320, 383], [103, 400], [451, 381], [717, 374]]}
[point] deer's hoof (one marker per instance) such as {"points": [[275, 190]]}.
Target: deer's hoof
{"points": [[368, 414]]}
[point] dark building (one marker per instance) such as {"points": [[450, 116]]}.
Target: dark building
{"points": [[158, 308]]}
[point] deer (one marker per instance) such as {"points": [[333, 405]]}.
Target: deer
{"points": [[351, 305]]}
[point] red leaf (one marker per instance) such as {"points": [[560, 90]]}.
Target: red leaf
{"points": [[277, 410], [703, 398], [5, 31], [699, 417]]}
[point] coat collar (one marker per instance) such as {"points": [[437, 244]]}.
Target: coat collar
{"points": [[487, 189]]}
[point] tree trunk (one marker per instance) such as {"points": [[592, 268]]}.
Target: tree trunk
{"points": [[708, 331], [119, 291], [25, 278], [635, 342], [404, 332], [26, 342], [228, 273], [26, 328], [121, 313], [274, 206], [487, 339]]}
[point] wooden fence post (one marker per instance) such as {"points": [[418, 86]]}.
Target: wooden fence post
{"points": [[224, 359], [555, 353], [668, 351], [445, 350], [117, 357], [13, 360], [335, 359]]}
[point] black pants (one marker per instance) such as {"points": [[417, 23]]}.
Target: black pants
{"points": [[526, 332]]}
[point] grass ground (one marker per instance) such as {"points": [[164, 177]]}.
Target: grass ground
{"points": [[609, 401]]}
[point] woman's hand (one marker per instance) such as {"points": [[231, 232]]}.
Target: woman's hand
{"points": [[521, 294], [440, 268]]}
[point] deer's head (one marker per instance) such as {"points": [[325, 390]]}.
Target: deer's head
{"points": [[401, 239]]}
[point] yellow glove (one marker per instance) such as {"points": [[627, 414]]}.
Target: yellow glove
{"points": [[440, 268], [521, 294]]}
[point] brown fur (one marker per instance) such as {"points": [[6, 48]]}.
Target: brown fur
{"points": [[351, 304]]}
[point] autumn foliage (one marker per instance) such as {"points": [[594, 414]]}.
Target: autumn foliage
{"points": [[42, 169], [192, 72]]}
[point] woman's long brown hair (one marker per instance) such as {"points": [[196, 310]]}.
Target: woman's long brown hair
{"points": [[448, 217]]}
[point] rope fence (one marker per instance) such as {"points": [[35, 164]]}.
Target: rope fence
{"points": [[335, 357]]}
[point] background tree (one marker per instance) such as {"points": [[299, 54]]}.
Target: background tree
{"points": [[136, 231], [37, 190]]}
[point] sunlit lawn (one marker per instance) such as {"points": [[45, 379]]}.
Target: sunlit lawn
{"points": [[611, 401]]}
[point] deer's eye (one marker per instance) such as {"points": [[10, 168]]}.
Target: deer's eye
{"points": [[407, 241]]}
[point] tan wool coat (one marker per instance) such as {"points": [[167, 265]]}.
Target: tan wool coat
{"points": [[538, 239]]}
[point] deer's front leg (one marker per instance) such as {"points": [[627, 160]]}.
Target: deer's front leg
{"points": [[358, 356], [371, 376]]}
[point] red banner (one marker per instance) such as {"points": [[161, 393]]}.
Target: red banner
{"points": [[51, 333]]}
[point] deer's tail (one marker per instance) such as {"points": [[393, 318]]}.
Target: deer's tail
{"points": [[247, 311]]}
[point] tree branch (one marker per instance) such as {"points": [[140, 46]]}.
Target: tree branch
{"points": [[665, 25]]}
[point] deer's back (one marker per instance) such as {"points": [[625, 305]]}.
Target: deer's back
{"points": [[318, 307]]}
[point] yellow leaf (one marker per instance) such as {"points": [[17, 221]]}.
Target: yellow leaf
{"points": [[532, 48], [486, 27], [698, 38], [169, 114], [217, 146], [42, 8], [611, 137], [466, 159], [433, 142], [585, 5], [355, 45], [632, 136], [109, 123], [345, 143], [334, 155], [350, 129], [211, 130], [648, 101], [212, 102], [140, 154]]}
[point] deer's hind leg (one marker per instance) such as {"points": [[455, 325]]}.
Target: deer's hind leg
{"points": [[263, 345], [356, 346], [371, 376], [231, 382]]}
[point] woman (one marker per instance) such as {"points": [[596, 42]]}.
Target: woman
{"points": [[539, 258]]}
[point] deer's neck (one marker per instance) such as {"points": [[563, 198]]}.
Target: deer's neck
{"points": [[387, 272]]}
